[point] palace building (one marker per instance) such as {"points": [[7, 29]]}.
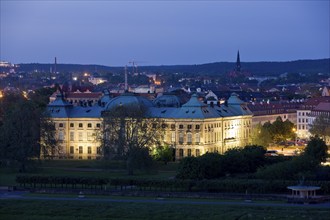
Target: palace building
{"points": [[192, 128]]}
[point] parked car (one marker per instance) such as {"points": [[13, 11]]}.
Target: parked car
{"points": [[271, 153]]}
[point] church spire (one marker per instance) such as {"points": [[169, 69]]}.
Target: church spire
{"points": [[238, 63]]}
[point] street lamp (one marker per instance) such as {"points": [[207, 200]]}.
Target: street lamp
{"points": [[295, 136]]}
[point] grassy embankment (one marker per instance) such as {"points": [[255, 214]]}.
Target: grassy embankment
{"points": [[93, 168]]}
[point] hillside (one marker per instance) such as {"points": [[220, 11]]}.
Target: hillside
{"points": [[257, 68]]}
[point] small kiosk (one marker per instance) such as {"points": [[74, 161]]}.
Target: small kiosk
{"points": [[304, 194]]}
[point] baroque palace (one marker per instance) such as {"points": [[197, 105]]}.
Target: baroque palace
{"points": [[193, 128]]}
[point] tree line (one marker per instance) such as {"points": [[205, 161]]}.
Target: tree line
{"points": [[23, 125]]}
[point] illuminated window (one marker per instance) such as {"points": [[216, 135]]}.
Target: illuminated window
{"points": [[60, 135], [180, 152], [80, 149], [189, 138], [197, 137], [89, 136], [71, 136], [173, 137], [80, 136], [71, 150], [181, 137]]}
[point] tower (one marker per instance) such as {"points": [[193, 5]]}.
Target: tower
{"points": [[238, 63], [55, 65]]}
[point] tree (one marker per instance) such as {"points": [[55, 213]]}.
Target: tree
{"points": [[49, 147], [303, 165], [316, 149], [261, 136], [189, 168], [20, 133], [281, 130], [321, 126], [24, 129], [244, 160], [163, 153], [277, 131], [128, 129]]}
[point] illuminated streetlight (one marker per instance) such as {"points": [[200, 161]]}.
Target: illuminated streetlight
{"points": [[295, 136]]}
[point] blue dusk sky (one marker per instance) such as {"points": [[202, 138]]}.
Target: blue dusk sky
{"points": [[162, 32]]}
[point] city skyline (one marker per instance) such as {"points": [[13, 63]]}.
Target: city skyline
{"points": [[163, 33]]}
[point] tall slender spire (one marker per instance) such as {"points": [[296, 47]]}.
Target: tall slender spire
{"points": [[126, 86], [55, 64], [238, 63]]}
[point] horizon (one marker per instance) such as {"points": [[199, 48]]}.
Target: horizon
{"points": [[91, 64], [163, 33]]}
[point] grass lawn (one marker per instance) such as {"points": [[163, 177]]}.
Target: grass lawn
{"points": [[84, 209], [87, 168]]}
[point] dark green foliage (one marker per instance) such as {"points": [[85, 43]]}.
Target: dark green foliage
{"points": [[176, 185], [19, 133], [321, 126], [244, 160], [60, 181], [129, 134], [189, 168], [288, 170], [213, 165], [304, 165], [261, 135], [277, 131], [164, 154], [317, 149], [22, 128], [281, 130], [41, 96], [138, 158]]}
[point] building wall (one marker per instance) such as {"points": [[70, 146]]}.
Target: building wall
{"points": [[77, 137], [199, 136], [189, 137], [303, 122], [292, 116]]}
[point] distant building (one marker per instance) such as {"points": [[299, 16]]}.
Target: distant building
{"points": [[79, 98], [325, 91], [307, 113], [267, 111]]}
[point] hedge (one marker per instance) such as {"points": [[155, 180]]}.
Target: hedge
{"points": [[257, 186]]}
